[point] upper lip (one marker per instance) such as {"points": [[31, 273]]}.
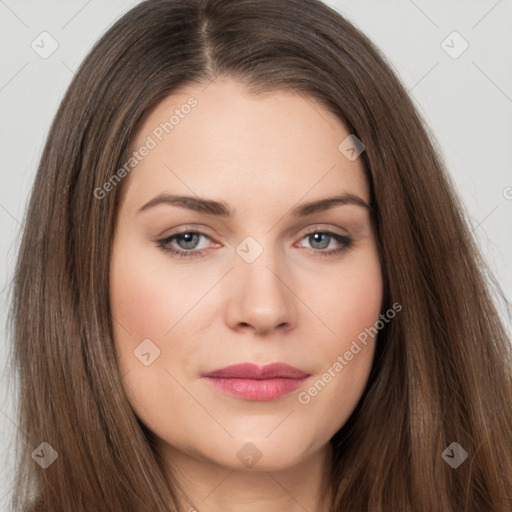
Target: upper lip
{"points": [[254, 371]]}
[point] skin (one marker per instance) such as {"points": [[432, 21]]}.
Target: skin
{"points": [[262, 155]]}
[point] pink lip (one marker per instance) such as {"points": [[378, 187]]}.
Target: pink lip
{"points": [[259, 383]]}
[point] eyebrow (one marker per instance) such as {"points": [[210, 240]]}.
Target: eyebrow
{"points": [[221, 209]]}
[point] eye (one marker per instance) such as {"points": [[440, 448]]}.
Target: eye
{"points": [[185, 243], [320, 240]]}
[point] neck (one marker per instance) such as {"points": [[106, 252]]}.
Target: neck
{"points": [[209, 487]]}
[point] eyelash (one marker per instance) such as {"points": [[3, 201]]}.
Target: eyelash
{"points": [[346, 242]]}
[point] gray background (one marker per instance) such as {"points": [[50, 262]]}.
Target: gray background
{"points": [[467, 102]]}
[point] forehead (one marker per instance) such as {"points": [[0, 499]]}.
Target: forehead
{"points": [[221, 140]]}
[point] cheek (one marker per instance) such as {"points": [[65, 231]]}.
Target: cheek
{"points": [[148, 296], [147, 302], [350, 299], [350, 304], [140, 300]]}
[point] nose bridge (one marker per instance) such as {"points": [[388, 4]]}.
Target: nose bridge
{"points": [[260, 267], [261, 298], [257, 250]]}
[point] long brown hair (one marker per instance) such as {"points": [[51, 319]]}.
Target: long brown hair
{"points": [[442, 368]]}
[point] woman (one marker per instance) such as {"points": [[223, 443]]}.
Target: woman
{"points": [[246, 282]]}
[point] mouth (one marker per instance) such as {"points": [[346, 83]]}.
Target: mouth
{"points": [[257, 383]]}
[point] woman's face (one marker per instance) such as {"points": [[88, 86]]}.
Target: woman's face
{"points": [[269, 278]]}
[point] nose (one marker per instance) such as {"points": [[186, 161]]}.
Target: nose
{"points": [[261, 298]]}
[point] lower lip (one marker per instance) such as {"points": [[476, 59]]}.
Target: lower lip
{"points": [[258, 390]]}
